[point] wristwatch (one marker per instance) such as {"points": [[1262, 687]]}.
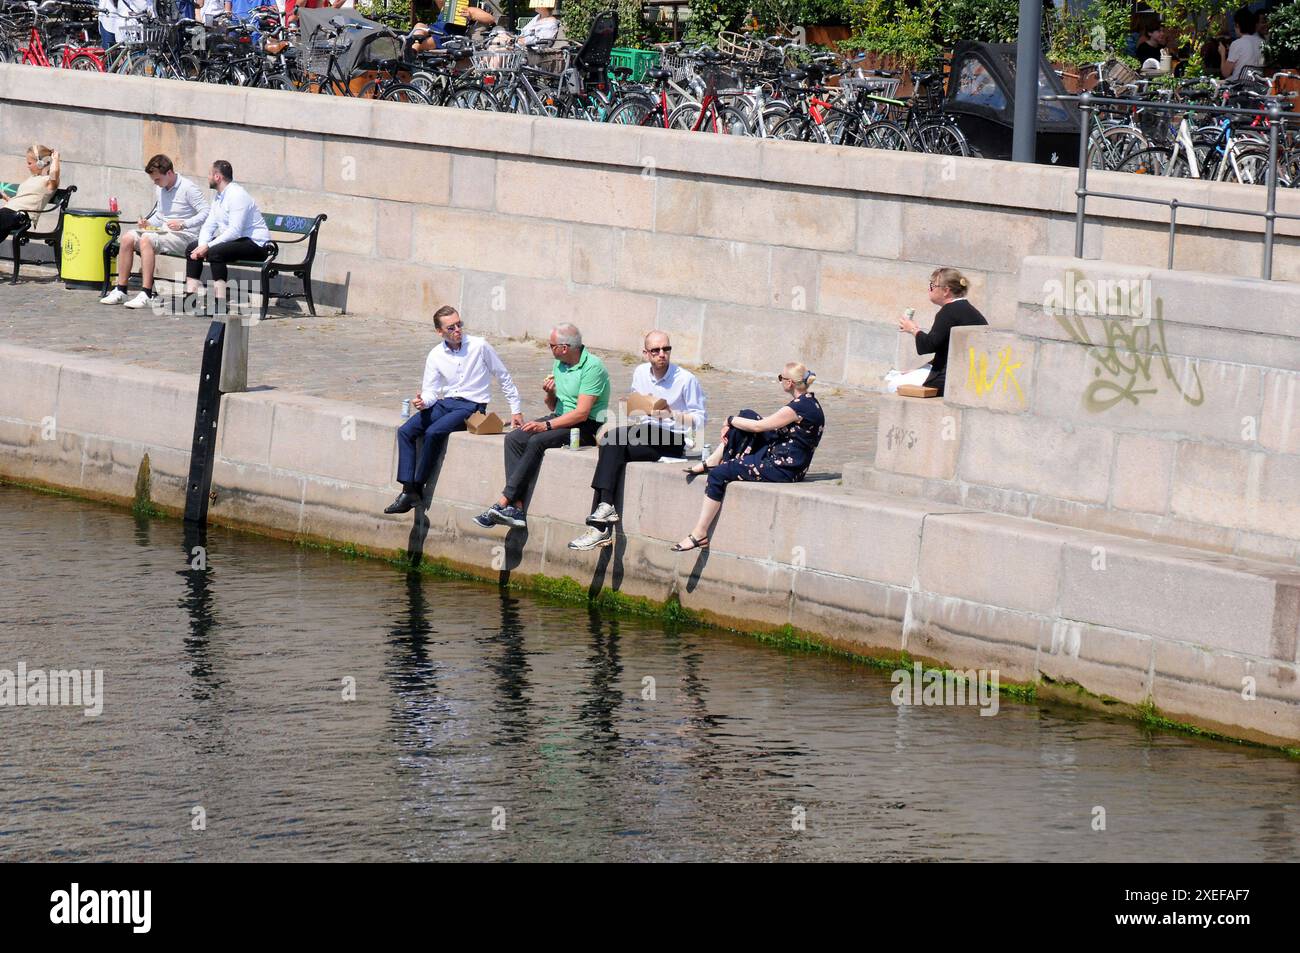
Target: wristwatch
{"points": [[548, 425]]}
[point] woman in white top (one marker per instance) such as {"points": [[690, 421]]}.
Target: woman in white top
{"points": [[35, 191], [541, 28]]}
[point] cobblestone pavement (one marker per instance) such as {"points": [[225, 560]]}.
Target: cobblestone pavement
{"points": [[375, 361]]}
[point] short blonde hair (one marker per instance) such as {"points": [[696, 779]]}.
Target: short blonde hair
{"points": [[41, 154], [951, 279], [800, 376]]}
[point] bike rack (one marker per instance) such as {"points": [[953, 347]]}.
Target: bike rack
{"points": [[1087, 103]]}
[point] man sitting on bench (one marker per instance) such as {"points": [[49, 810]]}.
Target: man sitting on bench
{"points": [[180, 208], [234, 231]]}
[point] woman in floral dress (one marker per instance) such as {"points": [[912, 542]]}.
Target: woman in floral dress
{"points": [[774, 449]]}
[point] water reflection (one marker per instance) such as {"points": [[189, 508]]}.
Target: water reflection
{"points": [[223, 690]]}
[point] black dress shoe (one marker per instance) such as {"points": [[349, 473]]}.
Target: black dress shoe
{"points": [[404, 503]]}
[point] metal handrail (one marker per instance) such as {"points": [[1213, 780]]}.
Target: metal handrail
{"points": [[1277, 118]]}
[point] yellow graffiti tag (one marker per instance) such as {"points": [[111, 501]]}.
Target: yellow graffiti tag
{"points": [[1004, 373]]}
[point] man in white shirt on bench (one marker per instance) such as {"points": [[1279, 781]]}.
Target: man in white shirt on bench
{"points": [[234, 231], [457, 383], [180, 208]]}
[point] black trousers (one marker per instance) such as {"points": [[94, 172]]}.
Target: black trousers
{"points": [[523, 453], [241, 249], [9, 222], [638, 442]]}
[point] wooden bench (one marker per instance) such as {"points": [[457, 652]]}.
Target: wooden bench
{"points": [[306, 229], [53, 237]]}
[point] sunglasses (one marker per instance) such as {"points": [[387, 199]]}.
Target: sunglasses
{"points": [[453, 327], [556, 347], [660, 350]]}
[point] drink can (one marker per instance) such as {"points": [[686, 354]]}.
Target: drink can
{"points": [[705, 451], [909, 313], [112, 204], [406, 408], [575, 437]]}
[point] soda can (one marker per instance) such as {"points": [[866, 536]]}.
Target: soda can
{"points": [[575, 438], [406, 408], [112, 204], [705, 451]]}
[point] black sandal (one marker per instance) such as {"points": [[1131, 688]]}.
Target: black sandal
{"points": [[699, 544], [691, 471]]}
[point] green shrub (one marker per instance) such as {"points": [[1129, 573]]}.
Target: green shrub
{"points": [[894, 28], [1282, 48]]}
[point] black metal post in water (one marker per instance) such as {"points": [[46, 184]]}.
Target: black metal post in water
{"points": [[1029, 44], [203, 450]]}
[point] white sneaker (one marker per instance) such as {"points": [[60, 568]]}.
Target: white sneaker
{"points": [[141, 300], [593, 539], [116, 296], [604, 513]]}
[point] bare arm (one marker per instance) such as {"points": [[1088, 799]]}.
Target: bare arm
{"points": [[782, 418], [54, 170]]}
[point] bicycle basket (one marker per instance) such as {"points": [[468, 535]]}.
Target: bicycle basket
{"points": [[1117, 74], [681, 67], [497, 61], [740, 46], [885, 86], [143, 34]]}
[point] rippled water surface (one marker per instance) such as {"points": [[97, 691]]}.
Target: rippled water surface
{"points": [[224, 690]]}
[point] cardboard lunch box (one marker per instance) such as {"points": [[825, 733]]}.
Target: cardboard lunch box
{"points": [[642, 403], [916, 390], [483, 424]]}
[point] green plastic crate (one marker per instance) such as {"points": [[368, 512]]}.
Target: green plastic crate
{"points": [[638, 61]]}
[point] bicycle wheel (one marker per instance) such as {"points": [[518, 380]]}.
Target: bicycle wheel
{"points": [[1248, 164], [86, 63], [1109, 149], [885, 135], [404, 93], [636, 111], [796, 128], [721, 119], [474, 96], [1147, 162], [942, 139], [772, 114]]}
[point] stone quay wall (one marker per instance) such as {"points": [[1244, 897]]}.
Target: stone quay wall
{"points": [[1209, 639], [749, 252]]}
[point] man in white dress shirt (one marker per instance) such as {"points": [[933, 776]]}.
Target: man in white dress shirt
{"points": [[180, 209], [662, 434], [233, 231], [457, 382]]}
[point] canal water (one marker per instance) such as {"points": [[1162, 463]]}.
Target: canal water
{"points": [[491, 725]]}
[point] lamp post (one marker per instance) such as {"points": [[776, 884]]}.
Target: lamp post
{"points": [[1029, 42]]}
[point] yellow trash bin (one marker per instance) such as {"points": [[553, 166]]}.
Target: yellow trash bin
{"points": [[85, 233]]}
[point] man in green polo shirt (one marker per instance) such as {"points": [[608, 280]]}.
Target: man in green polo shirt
{"points": [[577, 396]]}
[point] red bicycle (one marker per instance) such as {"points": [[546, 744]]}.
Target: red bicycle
{"points": [[72, 51], [710, 114]]}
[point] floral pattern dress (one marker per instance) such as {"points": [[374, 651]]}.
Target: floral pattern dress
{"points": [[784, 458]]}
